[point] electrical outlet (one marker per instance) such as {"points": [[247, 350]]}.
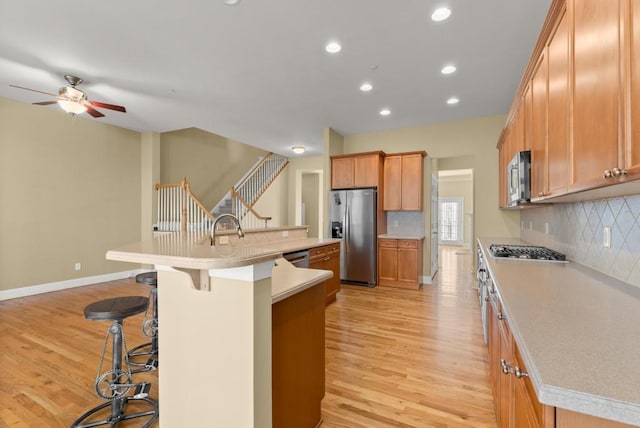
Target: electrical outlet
{"points": [[606, 237], [224, 240], [78, 266], [285, 233]]}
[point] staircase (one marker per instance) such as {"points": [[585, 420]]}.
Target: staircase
{"points": [[242, 197], [180, 209]]}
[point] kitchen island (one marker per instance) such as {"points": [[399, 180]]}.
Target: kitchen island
{"points": [[576, 331], [215, 335]]}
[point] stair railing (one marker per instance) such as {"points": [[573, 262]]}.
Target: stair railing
{"points": [[180, 209], [252, 186]]}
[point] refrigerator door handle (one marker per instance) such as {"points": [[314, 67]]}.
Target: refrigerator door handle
{"points": [[347, 228]]}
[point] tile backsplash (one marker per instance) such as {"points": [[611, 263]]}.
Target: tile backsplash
{"points": [[577, 229], [408, 223]]}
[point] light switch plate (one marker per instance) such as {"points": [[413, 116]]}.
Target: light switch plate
{"points": [[606, 237]]}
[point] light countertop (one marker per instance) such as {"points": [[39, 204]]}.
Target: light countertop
{"points": [[192, 250], [391, 236], [577, 331], [288, 280]]}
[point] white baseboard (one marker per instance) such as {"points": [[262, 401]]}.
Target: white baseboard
{"points": [[32, 290], [428, 280]]}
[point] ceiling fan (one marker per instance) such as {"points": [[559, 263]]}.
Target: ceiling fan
{"points": [[73, 100]]}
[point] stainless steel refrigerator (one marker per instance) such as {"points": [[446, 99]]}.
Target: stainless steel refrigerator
{"points": [[353, 219]]}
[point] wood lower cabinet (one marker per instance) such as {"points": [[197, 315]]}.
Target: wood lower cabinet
{"points": [[568, 419], [327, 257], [400, 262], [298, 365]]}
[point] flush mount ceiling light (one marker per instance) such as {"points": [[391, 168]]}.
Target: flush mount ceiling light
{"points": [[448, 69], [231, 2], [298, 150], [385, 112], [366, 87], [453, 100], [333, 47], [441, 14]]}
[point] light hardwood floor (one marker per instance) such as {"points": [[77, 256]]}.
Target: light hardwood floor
{"points": [[395, 358]]}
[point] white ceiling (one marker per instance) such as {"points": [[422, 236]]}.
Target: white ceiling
{"points": [[258, 72]]}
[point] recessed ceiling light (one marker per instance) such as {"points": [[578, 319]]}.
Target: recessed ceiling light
{"points": [[453, 100], [385, 112], [441, 14], [298, 150], [333, 47], [366, 87], [448, 69], [231, 2]]}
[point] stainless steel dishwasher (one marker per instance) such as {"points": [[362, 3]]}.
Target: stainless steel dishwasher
{"points": [[299, 259]]}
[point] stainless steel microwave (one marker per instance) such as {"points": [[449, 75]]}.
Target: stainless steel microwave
{"points": [[519, 179]]}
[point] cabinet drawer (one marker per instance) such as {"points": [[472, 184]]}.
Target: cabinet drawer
{"points": [[407, 243], [332, 249], [317, 252], [389, 243]]}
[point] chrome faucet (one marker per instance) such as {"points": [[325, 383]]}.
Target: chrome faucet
{"points": [[215, 223]]}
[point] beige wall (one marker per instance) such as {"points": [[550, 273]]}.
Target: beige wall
{"points": [[297, 167], [69, 191], [476, 138], [211, 163], [310, 190]]}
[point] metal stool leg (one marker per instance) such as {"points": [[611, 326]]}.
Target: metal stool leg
{"points": [[149, 349]]}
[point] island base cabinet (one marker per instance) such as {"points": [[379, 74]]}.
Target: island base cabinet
{"points": [[298, 359], [568, 419]]}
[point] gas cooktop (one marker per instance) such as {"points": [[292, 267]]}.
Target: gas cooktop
{"points": [[526, 252]]}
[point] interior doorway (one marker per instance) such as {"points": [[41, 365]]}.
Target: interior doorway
{"points": [[310, 206], [455, 207]]}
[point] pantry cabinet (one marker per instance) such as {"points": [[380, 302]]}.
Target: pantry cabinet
{"points": [[400, 262], [357, 170], [403, 181]]}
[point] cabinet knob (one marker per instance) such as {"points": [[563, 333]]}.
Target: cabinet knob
{"points": [[607, 174], [501, 316], [617, 172], [543, 194], [520, 373]]}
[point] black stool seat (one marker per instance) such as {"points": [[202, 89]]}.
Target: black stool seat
{"points": [[149, 278], [117, 308]]}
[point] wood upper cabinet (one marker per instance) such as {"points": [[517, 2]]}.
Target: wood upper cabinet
{"points": [[538, 131], [632, 116], [596, 94], [400, 262], [403, 181], [558, 52], [356, 170]]}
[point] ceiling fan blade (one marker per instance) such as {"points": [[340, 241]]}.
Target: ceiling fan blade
{"points": [[33, 90], [93, 112], [45, 103], [109, 106]]}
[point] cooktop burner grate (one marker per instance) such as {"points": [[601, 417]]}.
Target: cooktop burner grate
{"points": [[527, 252]]}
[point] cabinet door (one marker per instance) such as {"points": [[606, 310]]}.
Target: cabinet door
{"points": [[332, 263], [505, 392], [392, 183], [538, 119], [502, 175], [387, 261], [412, 181], [493, 339], [342, 173], [558, 114], [632, 146], [367, 170], [596, 91], [408, 262]]}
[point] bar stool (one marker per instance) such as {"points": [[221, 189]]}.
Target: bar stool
{"points": [[115, 384], [149, 327]]}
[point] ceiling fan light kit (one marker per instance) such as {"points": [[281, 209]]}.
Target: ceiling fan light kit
{"points": [[74, 101]]}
